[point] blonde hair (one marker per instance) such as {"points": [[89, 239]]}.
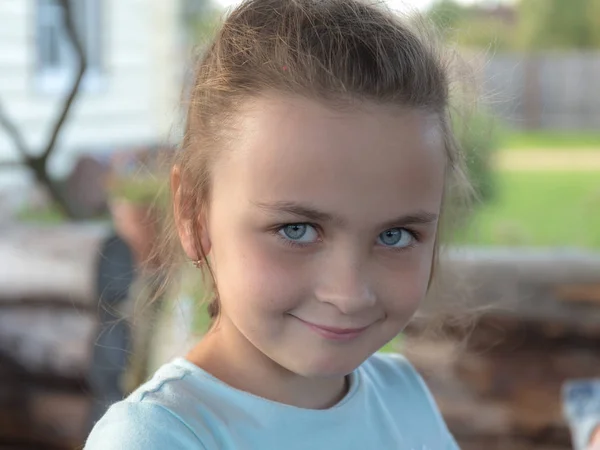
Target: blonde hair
{"points": [[333, 51]]}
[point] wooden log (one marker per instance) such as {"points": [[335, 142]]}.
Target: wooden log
{"points": [[498, 398], [542, 285], [510, 373], [49, 341], [63, 342], [60, 289], [28, 411], [580, 293], [539, 326], [50, 264], [70, 427]]}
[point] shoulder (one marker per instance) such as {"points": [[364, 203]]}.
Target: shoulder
{"points": [[396, 380], [394, 369], [394, 374], [152, 417], [141, 426]]}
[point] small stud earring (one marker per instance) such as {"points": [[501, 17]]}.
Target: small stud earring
{"points": [[197, 263]]}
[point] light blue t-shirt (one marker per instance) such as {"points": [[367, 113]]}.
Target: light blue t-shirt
{"points": [[183, 407]]}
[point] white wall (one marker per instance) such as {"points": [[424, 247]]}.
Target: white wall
{"points": [[139, 89]]}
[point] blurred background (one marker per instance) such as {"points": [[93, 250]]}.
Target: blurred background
{"points": [[91, 100]]}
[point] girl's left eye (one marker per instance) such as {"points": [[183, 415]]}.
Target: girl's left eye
{"points": [[396, 238], [299, 233]]}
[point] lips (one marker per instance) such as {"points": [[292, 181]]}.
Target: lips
{"points": [[334, 333]]}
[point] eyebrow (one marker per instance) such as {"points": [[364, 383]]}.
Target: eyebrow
{"points": [[305, 212]]}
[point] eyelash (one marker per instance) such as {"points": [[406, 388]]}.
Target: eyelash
{"points": [[416, 238], [293, 244]]}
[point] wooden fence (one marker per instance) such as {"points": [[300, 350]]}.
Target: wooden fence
{"points": [[543, 90]]}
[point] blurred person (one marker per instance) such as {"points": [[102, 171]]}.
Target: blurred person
{"points": [[581, 403], [317, 165]]}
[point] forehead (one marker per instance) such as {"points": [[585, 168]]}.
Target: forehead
{"points": [[363, 161]]}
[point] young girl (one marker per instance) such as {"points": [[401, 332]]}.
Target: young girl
{"points": [[317, 161]]}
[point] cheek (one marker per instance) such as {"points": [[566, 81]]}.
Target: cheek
{"points": [[404, 285], [254, 274]]}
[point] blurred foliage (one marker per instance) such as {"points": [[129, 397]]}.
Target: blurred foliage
{"points": [[479, 135], [141, 190], [200, 18], [447, 15], [559, 24], [148, 188], [140, 176], [394, 346], [48, 215], [531, 25], [193, 288], [472, 26]]}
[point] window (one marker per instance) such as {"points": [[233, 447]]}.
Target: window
{"points": [[55, 56]]}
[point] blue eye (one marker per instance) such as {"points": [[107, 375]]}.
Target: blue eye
{"points": [[299, 232], [396, 237]]}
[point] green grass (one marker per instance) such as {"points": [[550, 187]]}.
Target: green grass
{"points": [[540, 209], [50, 215], [202, 320], [551, 140], [394, 346]]}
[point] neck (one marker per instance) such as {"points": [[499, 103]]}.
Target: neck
{"points": [[226, 354]]}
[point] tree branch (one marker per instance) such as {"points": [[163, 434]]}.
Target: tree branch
{"points": [[13, 133], [39, 164], [82, 63]]}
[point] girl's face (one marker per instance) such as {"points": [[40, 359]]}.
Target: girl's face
{"points": [[322, 227]]}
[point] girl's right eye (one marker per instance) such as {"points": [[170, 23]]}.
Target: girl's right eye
{"points": [[301, 233]]}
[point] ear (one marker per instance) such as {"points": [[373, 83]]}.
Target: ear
{"points": [[191, 226]]}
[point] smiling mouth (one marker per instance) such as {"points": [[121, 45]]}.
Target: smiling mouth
{"points": [[334, 333]]}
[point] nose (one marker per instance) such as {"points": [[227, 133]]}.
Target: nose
{"points": [[345, 284]]}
